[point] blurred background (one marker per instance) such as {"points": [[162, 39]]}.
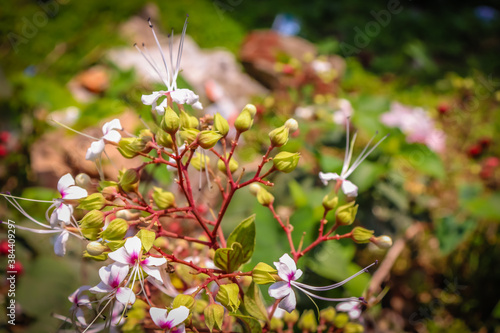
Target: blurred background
{"points": [[427, 72]]}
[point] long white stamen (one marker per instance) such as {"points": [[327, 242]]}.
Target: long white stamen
{"points": [[14, 203], [348, 162], [97, 316], [157, 68], [345, 166], [179, 53], [73, 130], [171, 49], [363, 157], [161, 51], [352, 299], [335, 285], [39, 231], [149, 62], [26, 199]]}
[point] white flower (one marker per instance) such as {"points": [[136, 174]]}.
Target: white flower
{"points": [[131, 254], [78, 300], [348, 187], [353, 309], [170, 320], [110, 133], [69, 191], [288, 272], [169, 77], [112, 277]]}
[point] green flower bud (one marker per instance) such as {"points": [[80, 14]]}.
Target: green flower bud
{"points": [[292, 125], [146, 135], [361, 235], [93, 201], [164, 139], [285, 161], [183, 300], [220, 124], [308, 321], [200, 306], [93, 219], [95, 248], [261, 274], [243, 122], [328, 314], [208, 139], [279, 136], [163, 199], [214, 316], [193, 122], [115, 230], [276, 324], [251, 109], [330, 201], [346, 214], [90, 233], [254, 188], [228, 296], [125, 148], [127, 215], [170, 122], [189, 135], [129, 180], [291, 318], [83, 180], [233, 165], [184, 120], [353, 328], [264, 197], [341, 319], [200, 161], [383, 242]]}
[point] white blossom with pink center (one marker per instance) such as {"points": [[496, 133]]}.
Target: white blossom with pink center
{"points": [[171, 321], [112, 277]]}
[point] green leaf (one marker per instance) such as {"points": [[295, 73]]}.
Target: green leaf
{"points": [[147, 238], [248, 324], [93, 201], [451, 233], [244, 234], [229, 259], [486, 207], [254, 303], [299, 196]]}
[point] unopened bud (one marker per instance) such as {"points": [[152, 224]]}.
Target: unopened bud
{"points": [[254, 188], [233, 165], [185, 121], [129, 180], [330, 201], [199, 162], [353, 328], [328, 314], [383, 242], [183, 300], [83, 180], [244, 121], [264, 197], [220, 124], [279, 136], [361, 235], [285, 161], [95, 248], [125, 147], [93, 219], [163, 199], [252, 109], [214, 316], [346, 214], [228, 295], [276, 324], [292, 125], [341, 320], [170, 122], [164, 139], [291, 318], [189, 135], [208, 139], [127, 215], [262, 274], [308, 321], [115, 230]]}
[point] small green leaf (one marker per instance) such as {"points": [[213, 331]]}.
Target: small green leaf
{"points": [[248, 324], [147, 238], [101, 257], [229, 259], [244, 234], [254, 303], [115, 245]]}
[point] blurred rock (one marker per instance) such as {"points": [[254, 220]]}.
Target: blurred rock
{"points": [[263, 50], [86, 85], [198, 66]]}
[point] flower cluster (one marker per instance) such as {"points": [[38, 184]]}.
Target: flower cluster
{"points": [[159, 276]]}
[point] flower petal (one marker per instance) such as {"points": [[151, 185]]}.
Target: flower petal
{"points": [[289, 302], [184, 96], [118, 272], [75, 192], [125, 296], [152, 261], [286, 267], [65, 182], [153, 271], [177, 316], [133, 246], [151, 99], [101, 288], [60, 243], [113, 136], [95, 150], [63, 213], [80, 316], [346, 306], [120, 256], [111, 125], [159, 316], [279, 290], [326, 177], [197, 106], [349, 188]]}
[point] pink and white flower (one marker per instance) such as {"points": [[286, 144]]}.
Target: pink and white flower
{"points": [[112, 277], [79, 300], [343, 113], [288, 272], [353, 309], [171, 321], [69, 191], [110, 133], [347, 186]]}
